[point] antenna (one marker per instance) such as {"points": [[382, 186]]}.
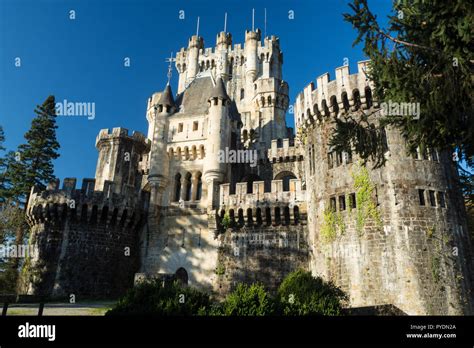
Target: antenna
{"points": [[265, 30], [225, 22], [197, 29], [253, 19]]}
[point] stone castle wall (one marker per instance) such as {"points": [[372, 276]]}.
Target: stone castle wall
{"points": [[86, 241], [403, 253]]}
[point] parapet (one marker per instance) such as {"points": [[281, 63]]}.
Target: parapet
{"points": [[283, 149], [59, 204], [118, 132], [196, 41], [253, 35], [276, 197], [344, 94]]}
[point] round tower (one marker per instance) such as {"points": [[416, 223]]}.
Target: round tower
{"points": [[252, 39], [223, 42], [119, 154], [218, 138], [195, 44], [159, 164]]}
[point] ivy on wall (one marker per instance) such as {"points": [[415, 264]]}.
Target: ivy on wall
{"points": [[333, 225], [365, 205]]}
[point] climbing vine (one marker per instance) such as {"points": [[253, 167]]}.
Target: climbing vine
{"points": [[332, 224], [365, 205], [302, 134]]}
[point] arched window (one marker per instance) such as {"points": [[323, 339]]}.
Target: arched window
{"points": [[194, 152], [286, 213], [296, 213], [241, 217], [245, 135], [177, 187], [345, 101], [198, 186], [356, 97], [249, 217], [259, 216], [268, 216], [277, 216], [269, 99], [201, 151], [368, 96], [182, 276], [286, 176], [334, 105], [188, 186], [242, 94]]}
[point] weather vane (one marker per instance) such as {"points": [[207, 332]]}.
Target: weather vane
{"points": [[170, 69]]}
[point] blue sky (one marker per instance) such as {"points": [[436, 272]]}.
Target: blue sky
{"points": [[83, 59]]}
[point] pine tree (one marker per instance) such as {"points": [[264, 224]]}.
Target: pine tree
{"points": [[35, 163], [426, 56]]}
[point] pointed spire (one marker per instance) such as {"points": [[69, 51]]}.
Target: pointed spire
{"points": [[219, 90], [166, 98]]}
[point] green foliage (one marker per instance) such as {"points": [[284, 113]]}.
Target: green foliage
{"points": [[333, 223], [12, 228], [34, 163], [246, 300], [220, 270], [302, 294], [226, 221], [426, 56], [365, 205], [435, 271], [152, 298]]}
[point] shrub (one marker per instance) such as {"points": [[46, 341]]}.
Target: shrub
{"points": [[246, 300], [302, 294], [151, 297]]}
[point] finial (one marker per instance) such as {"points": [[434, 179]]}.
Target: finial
{"points": [[265, 27], [170, 69], [253, 19], [197, 29]]}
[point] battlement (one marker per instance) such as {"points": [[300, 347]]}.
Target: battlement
{"points": [[283, 150], [344, 94], [258, 197], [224, 38], [253, 35], [260, 208], [55, 204], [119, 132], [196, 41]]}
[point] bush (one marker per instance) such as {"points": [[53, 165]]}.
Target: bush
{"points": [[302, 294], [246, 300], [151, 297]]}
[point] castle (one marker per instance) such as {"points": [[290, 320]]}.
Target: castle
{"points": [[170, 205]]}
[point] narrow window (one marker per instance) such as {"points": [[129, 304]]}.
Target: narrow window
{"points": [[352, 200], [432, 198], [332, 203], [310, 164], [195, 126], [441, 200], [421, 196], [342, 203], [180, 128], [314, 162], [330, 160], [434, 155], [338, 158]]}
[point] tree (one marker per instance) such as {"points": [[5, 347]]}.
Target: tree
{"points": [[247, 300], [302, 294], [425, 56], [34, 162], [154, 298]]}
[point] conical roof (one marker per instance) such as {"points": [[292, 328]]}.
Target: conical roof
{"points": [[219, 90], [167, 97]]}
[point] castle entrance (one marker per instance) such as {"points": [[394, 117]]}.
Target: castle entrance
{"points": [[182, 276]]}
